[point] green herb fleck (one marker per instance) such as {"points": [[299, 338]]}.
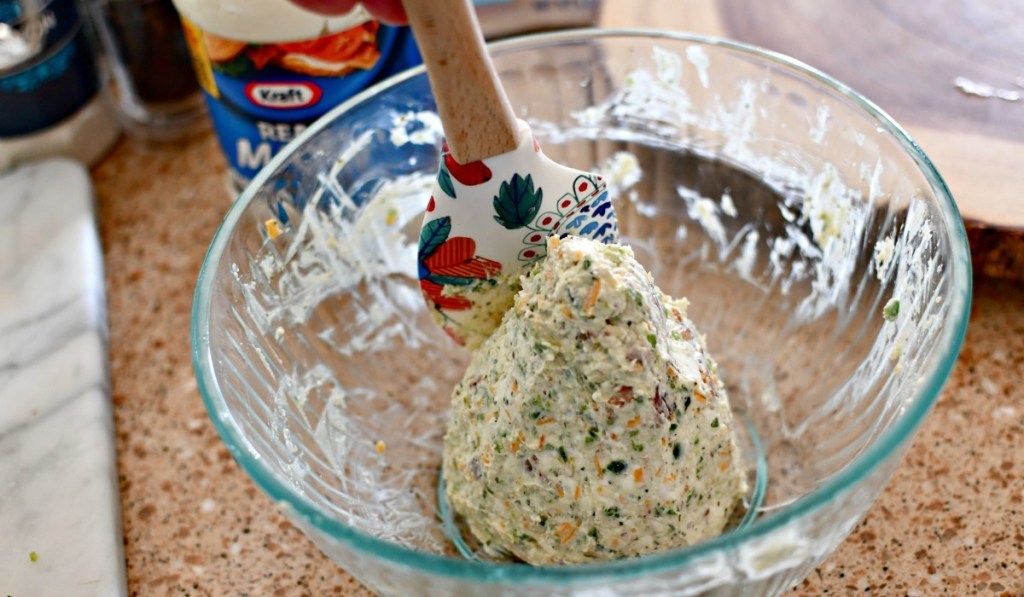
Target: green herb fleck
{"points": [[586, 263], [535, 414], [616, 466], [539, 347], [592, 533], [497, 447], [673, 426], [33, 556], [891, 310], [543, 520], [637, 447], [714, 424], [653, 340], [562, 454], [677, 450], [591, 435], [613, 511], [637, 297]]}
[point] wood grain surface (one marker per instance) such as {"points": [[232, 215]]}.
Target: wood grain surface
{"points": [[907, 58]]}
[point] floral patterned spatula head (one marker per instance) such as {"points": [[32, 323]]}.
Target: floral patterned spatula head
{"points": [[497, 197]]}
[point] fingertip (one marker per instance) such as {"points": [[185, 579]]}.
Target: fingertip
{"points": [[389, 12], [330, 8]]}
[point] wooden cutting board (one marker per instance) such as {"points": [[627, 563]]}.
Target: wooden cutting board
{"points": [[908, 57]]}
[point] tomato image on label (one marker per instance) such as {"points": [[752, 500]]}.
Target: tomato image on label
{"points": [[327, 56]]}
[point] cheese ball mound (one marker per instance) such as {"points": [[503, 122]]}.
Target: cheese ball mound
{"points": [[592, 424]]}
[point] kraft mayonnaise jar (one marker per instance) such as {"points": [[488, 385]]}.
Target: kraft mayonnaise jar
{"points": [[268, 69]]}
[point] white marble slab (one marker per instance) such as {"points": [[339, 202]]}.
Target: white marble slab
{"points": [[59, 495]]}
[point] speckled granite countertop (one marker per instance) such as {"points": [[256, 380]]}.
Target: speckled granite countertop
{"points": [[951, 520]]}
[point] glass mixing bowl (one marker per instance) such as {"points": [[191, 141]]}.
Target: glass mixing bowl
{"points": [[820, 250]]}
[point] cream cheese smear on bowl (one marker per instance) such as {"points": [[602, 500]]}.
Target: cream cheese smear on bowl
{"points": [[592, 424]]}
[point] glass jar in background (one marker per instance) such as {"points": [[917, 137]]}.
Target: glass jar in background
{"points": [[268, 69], [50, 101], [153, 85]]}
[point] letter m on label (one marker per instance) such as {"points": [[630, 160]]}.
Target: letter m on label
{"points": [[247, 158]]}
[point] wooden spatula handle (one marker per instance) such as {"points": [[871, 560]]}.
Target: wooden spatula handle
{"points": [[477, 117]]}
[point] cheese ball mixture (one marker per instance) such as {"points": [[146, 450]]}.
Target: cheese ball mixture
{"points": [[592, 424]]}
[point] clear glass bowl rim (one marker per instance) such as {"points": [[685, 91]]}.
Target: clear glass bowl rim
{"points": [[959, 268]]}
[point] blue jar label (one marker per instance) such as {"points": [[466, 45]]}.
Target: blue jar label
{"points": [[261, 96]]}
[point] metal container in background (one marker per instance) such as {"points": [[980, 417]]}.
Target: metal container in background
{"points": [[503, 18], [50, 100]]}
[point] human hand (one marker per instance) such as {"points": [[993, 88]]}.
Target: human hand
{"points": [[389, 12]]}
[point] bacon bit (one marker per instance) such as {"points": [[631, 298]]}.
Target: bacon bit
{"points": [[677, 315], [638, 474], [671, 372], [633, 422], [592, 297], [622, 397], [559, 490], [566, 532], [615, 437], [577, 493], [700, 397], [566, 312], [658, 474], [660, 405], [515, 386], [664, 442], [540, 444], [615, 542], [545, 421], [597, 462], [724, 465], [486, 459], [599, 489], [670, 477]]}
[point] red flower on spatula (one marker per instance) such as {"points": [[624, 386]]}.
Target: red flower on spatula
{"points": [[470, 174], [450, 261]]}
